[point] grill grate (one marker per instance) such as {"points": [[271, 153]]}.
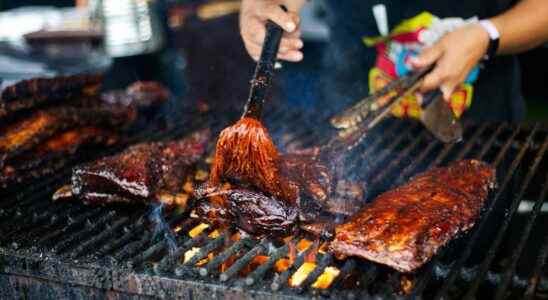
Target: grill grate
{"points": [[112, 248]]}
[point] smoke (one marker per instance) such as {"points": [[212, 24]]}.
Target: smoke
{"points": [[161, 227]]}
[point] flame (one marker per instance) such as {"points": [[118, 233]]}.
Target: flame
{"points": [[236, 236], [304, 244], [190, 253], [227, 263], [327, 277], [188, 187], [197, 230], [282, 264], [201, 175], [406, 285], [205, 260], [253, 264], [323, 248], [178, 228], [301, 274], [214, 234]]}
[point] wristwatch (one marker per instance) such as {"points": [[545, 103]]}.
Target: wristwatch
{"points": [[494, 37]]}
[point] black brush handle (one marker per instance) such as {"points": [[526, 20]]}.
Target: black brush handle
{"points": [[263, 71]]}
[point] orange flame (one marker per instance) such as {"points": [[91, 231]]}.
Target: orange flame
{"points": [[301, 274], [326, 278]]}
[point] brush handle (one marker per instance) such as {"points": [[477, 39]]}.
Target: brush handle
{"points": [[263, 71]]}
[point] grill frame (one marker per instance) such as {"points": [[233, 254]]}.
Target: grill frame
{"points": [[137, 278]]}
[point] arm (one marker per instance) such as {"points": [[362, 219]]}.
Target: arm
{"points": [[523, 27], [253, 17]]}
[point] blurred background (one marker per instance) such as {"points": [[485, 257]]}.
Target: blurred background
{"points": [[194, 47]]}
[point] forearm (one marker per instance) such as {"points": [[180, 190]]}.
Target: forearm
{"points": [[523, 27]]}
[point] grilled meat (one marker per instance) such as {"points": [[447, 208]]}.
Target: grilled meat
{"points": [[52, 154], [403, 228], [139, 174], [140, 94], [30, 93], [26, 133], [253, 212], [247, 207]]}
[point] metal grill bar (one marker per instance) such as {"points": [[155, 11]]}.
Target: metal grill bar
{"points": [[534, 280], [88, 228], [96, 239], [426, 275], [260, 248], [281, 280], [204, 251], [336, 285], [502, 230], [387, 151], [399, 158], [258, 273], [526, 232], [324, 261], [477, 230], [218, 260]]}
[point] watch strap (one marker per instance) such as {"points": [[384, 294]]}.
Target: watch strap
{"points": [[494, 37]]}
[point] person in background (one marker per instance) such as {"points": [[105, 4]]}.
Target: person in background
{"points": [[471, 43]]}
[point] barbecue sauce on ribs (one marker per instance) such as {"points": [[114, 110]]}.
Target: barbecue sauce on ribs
{"points": [[404, 227], [45, 157], [31, 93], [140, 173]]}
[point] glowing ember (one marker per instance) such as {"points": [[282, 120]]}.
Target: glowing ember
{"points": [[327, 277], [235, 237], [224, 266], [197, 230], [178, 228], [282, 264], [205, 260], [188, 187], [190, 253], [214, 234], [301, 274], [304, 244], [201, 175], [406, 284], [253, 264], [323, 248]]}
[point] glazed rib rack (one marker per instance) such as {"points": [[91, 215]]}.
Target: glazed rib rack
{"points": [[76, 250]]}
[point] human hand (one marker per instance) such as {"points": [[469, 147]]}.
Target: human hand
{"points": [[253, 17], [454, 55]]}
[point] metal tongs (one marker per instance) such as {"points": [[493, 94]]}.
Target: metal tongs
{"points": [[437, 116]]}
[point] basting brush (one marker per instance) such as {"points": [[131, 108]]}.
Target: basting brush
{"points": [[245, 152]]}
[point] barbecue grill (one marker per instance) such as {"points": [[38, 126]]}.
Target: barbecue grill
{"points": [[60, 250]]}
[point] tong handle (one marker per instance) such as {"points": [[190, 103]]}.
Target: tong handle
{"points": [[264, 70], [430, 97]]}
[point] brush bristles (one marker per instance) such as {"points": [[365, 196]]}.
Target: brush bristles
{"points": [[245, 152]]}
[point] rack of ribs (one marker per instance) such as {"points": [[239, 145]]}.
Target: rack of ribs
{"points": [[42, 159], [140, 174], [41, 125], [404, 227], [28, 94]]}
